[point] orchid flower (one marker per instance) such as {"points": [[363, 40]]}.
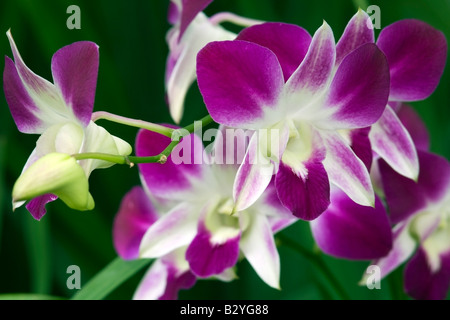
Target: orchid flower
{"points": [[416, 53], [420, 214], [199, 221], [191, 31], [60, 113], [275, 77]]}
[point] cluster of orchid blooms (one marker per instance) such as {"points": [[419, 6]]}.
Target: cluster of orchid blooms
{"points": [[327, 136]]}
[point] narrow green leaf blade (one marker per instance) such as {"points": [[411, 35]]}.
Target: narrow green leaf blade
{"points": [[108, 279]]}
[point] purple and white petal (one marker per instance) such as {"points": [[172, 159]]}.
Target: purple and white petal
{"points": [[356, 33], [361, 146], [416, 53], [23, 109], [37, 205], [173, 230], [258, 246], [406, 197], [41, 97], [241, 83], [403, 247], [313, 75], [424, 283], [305, 192], [350, 231], [346, 170], [359, 91], [289, 42], [253, 176], [209, 255], [415, 126], [170, 180], [75, 70], [189, 10], [392, 142], [135, 216]]}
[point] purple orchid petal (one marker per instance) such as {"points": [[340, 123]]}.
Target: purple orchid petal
{"points": [[422, 283], [75, 70], [356, 34], [240, 83], [289, 42], [312, 76], [35, 103], [415, 126], [173, 13], [403, 247], [164, 280], [22, 107], [416, 53], [360, 144], [253, 176], [173, 230], [306, 193], [346, 170], [258, 246], [169, 180], [207, 257], [406, 197], [359, 91], [392, 142], [190, 9], [230, 146], [37, 205], [135, 216], [350, 231]]}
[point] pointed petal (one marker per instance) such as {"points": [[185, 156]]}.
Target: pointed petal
{"points": [[258, 246], [44, 99], [416, 53], [207, 257], [347, 171], [350, 231], [135, 216], [415, 126], [421, 282], [23, 108], [356, 34], [181, 63], [253, 176], [37, 205], [406, 197], [289, 42], [189, 9], [313, 75], [170, 180], [403, 247], [154, 283], [359, 92], [361, 146], [173, 230], [75, 69], [392, 142], [240, 83]]}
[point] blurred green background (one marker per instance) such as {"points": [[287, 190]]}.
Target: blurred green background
{"points": [[34, 255]]}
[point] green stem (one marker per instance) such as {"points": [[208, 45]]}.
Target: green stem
{"points": [[133, 123], [176, 135], [317, 260]]}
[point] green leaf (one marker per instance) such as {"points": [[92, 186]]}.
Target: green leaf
{"points": [[28, 296], [112, 276], [37, 242]]}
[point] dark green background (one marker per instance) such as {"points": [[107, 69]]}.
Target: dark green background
{"points": [[131, 35]]}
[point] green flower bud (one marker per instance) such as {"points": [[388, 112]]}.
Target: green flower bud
{"points": [[58, 174]]}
